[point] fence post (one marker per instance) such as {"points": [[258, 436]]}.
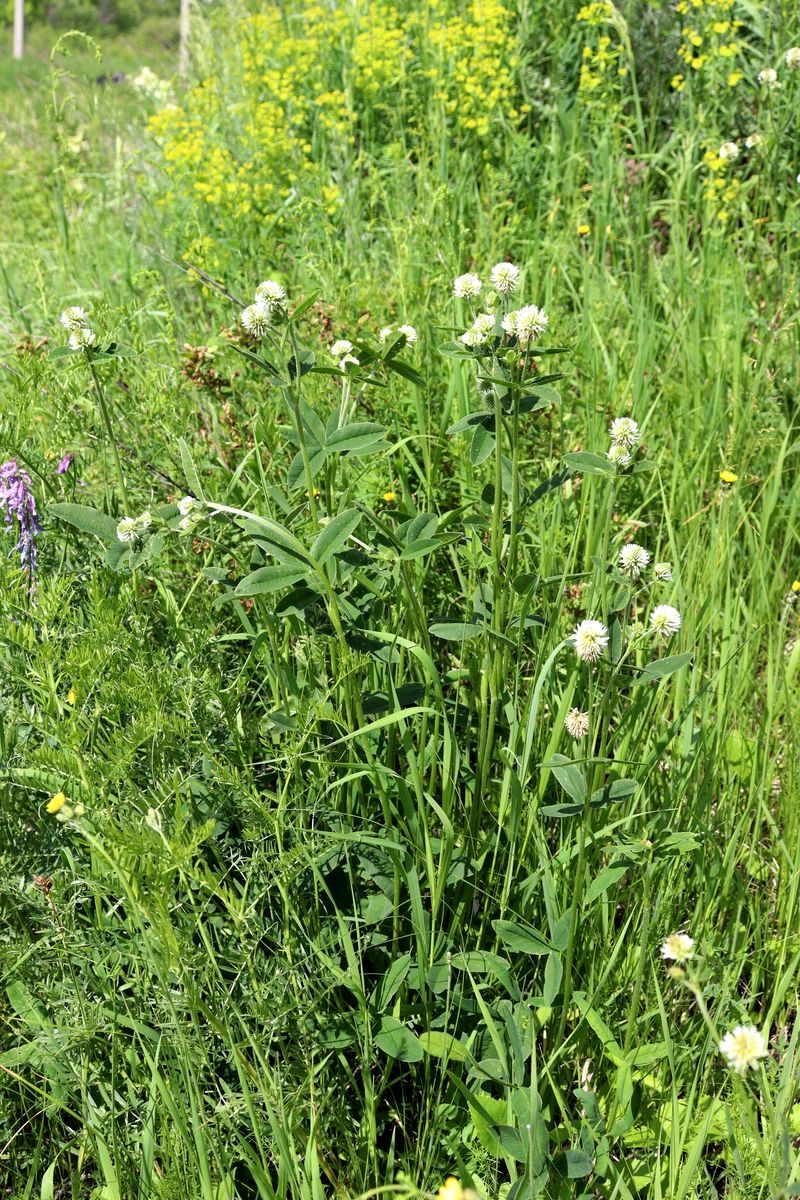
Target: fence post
{"points": [[19, 28], [183, 42]]}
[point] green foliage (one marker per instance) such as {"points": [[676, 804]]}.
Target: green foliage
{"points": [[347, 907]]}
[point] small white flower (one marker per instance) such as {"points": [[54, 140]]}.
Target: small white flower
{"points": [[768, 78], [743, 1047], [256, 318], [618, 455], [347, 358], [72, 318], [679, 947], [633, 559], [526, 324], [271, 292], [624, 431], [663, 571], [589, 638], [752, 140], [188, 523], [793, 58], [479, 331], [665, 620], [127, 530], [504, 277], [143, 522], [467, 286], [728, 151], [187, 505], [340, 348], [576, 723], [410, 333], [386, 333], [81, 338]]}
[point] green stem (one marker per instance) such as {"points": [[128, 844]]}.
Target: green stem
{"points": [[101, 400]]}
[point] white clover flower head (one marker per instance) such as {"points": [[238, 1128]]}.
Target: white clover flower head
{"points": [[74, 317], [348, 360], [272, 292], [127, 529], [663, 571], [633, 559], [467, 286], [188, 523], [679, 947], [576, 723], [728, 151], [410, 333], [504, 278], [256, 318], [768, 78], [792, 58], [618, 455], [187, 505], [479, 331], [81, 337], [743, 1047], [143, 522], [340, 348], [386, 333], [526, 324], [625, 432], [590, 639], [665, 620], [753, 139]]}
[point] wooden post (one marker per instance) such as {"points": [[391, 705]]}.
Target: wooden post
{"points": [[183, 41], [19, 28]]}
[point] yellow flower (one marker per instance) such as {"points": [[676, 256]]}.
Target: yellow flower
{"points": [[734, 78], [796, 585], [56, 803], [678, 83], [71, 696], [451, 1189], [728, 476], [584, 229], [389, 497]]}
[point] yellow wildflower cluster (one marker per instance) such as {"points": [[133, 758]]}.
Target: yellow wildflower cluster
{"points": [[602, 63], [721, 191], [249, 142], [475, 68], [710, 40]]}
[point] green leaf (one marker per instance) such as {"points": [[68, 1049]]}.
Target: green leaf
{"points": [[438, 1044], [467, 422], [569, 776], [588, 464], [481, 446], [334, 535], [516, 936], [397, 1041], [560, 811], [88, 520], [355, 437], [511, 1142], [392, 982], [268, 579], [455, 631], [402, 368], [613, 792], [606, 879], [296, 475], [579, 1164], [190, 470], [660, 668]]}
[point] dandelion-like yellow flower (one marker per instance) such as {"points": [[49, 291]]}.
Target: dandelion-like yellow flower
{"points": [[728, 477], [389, 497], [451, 1189], [796, 585], [71, 696], [56, 803], [584, 229]]}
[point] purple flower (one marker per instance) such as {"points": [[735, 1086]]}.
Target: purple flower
{"points": [[19, 505], [64, 465]]}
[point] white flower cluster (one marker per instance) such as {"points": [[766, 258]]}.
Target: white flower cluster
{"points": [[792, 58], [480, 330], [525, 324], [390, 331], [131, 529], [342, 352], [75, 321], [624, 438], [268, 308], [728, 151], [768, 78], [152, 85], [191, 511]]}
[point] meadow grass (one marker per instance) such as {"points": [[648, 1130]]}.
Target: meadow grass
{"points": [[308, 890]]}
